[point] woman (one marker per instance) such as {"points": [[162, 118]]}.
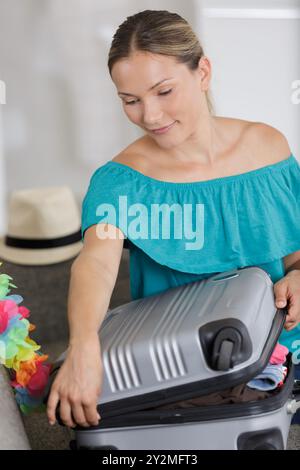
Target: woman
{"points": [[240, 175]]}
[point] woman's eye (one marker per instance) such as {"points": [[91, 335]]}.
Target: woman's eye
{"points": [[162, 93], [166, 92]]}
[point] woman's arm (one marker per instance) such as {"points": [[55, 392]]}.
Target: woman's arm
{"points": [[93, 277], [78, 383], [292, 261]]}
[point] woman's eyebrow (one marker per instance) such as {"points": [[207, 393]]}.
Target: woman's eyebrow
{"points": [[151, 88]]}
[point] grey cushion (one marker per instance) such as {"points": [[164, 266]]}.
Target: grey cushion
{"points": [[12, 432]]}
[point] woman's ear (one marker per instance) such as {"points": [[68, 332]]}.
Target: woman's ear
{"points": [[204, 70]]}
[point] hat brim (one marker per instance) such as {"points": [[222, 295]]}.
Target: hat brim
{"points": [[34, 257]]}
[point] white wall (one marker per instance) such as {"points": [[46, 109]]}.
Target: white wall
{"points": [[2, 180], [254, 47]]}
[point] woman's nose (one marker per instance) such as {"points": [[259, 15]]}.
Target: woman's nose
{"points": [[152, 115]]}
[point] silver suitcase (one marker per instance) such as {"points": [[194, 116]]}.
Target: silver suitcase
{"points": [[186, 342]]}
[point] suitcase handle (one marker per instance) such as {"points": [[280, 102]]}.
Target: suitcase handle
{"points": [[226, 347]]}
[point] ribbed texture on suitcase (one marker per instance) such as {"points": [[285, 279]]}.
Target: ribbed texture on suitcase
{"points": [[153, 343]]}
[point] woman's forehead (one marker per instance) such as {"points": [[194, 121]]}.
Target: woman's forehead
{"points": [[146, 65]]}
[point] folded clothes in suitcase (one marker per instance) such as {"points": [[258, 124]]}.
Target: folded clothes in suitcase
{"points": [[191, 341]]}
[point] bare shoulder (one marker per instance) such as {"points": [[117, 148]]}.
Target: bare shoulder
{"points": [[134, 156], [128, 158], [270, 144]]}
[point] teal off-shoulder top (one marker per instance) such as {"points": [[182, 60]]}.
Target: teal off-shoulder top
{"points": [[183, 232]]}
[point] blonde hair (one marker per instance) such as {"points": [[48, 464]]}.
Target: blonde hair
{"points": [[158, 32]]}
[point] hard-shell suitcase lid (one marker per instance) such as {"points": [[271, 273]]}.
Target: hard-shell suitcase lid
{"points": [[188, 341]]}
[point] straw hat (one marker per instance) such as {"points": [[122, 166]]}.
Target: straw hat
{"points": [[43, 227]]}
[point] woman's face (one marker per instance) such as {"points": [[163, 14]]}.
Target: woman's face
{"points": [[157, 92]]}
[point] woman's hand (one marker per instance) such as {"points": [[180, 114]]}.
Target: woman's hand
{"points": [[287, 293], [77, 386]]}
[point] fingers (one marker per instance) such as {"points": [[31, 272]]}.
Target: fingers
{"points": [[290, 326], [292, 318], [66, 413], [91, 413], [79, 415], [51, 406], [290, 323], [72, 412], [281, 292]]}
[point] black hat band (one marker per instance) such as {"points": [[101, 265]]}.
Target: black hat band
{"points": [[43, 243]]}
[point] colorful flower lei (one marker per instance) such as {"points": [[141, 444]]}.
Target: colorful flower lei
{"points": [[27, 369]]}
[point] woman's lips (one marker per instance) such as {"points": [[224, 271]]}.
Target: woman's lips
{"points": [[163, 130]]}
